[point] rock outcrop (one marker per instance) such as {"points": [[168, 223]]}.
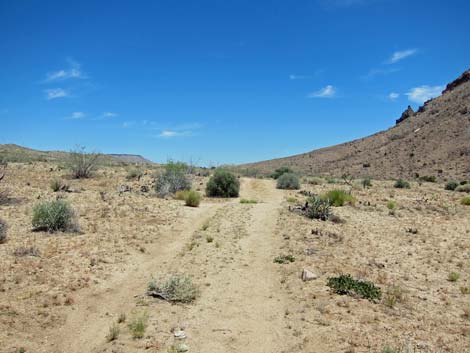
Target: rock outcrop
{"points": [[465, 77], [408, 113]]}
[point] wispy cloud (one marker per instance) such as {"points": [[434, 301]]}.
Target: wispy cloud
{"points": [[76, 116], [109, 115], [128, 124], [55, 93], [73, 71], [400, 55], [380, 72], [171, 133], [393, 96], [423, 93], [299, 77], [326, 92]]}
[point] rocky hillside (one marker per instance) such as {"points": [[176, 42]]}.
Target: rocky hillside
{"points": [[434, 140]]}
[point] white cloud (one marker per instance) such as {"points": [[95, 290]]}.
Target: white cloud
{"points": [[109, 115], [299, 77], [393, 96], [76, 116], [400, 55], [127, 124], [423, 93], [54, 93], [326, 92], [380, 72], [74, 71], [173, 133]]}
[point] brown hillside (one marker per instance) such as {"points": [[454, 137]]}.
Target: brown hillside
{"points": [[433, 141]]}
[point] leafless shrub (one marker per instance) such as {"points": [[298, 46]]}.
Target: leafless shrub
{"points": [[82, 163]]}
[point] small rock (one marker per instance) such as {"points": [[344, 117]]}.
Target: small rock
{"points": [[183, 348], [180, 334], [308, 275]]}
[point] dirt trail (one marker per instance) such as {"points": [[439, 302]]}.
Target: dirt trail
{"points": [[241, 306]]}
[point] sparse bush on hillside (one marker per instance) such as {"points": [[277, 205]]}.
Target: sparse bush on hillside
{"points": [[366, 183], [53, 216], [338, 197], [192, 198], [177, 288], [82, 163], [223, 184], [278, 172], [3, 231], [134, 174], [317, 208], [401, 184], [345, 284], [288, 181], [172, 179], [3, 171], [428, 178], [314, 181], [250, 172], [465, 201], [138, 324], [58, 185], [451, 185], [463, 188]]}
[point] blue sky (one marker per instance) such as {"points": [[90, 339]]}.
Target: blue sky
{"points": [[220, 81]]}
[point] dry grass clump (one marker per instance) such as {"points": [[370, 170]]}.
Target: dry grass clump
{"points": [[192, 198], [463, 188], [113, 333], [3, 231], [53, 216], [465, 201], [23, 251], [248, 201], [177, 288], [338, 197], [138, 324]]}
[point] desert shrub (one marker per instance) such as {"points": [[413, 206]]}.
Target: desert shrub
{"points": [[177, 288], [250, 172], [284, 259], [428, 178], [453, 277], [53, 216], [288, 181], [314, 181], [465, 201], [451, 185], [366, 183], [331, 180], [401, 184], [393, 295], [3, 231], [278, 172], [59, 185], [291, 199], [138, 324], [245, 201], [181, 195], [82, 163], [23, 251], [338, 197], [223, 184], [463, 188], [113, 333], [318, 208], [134, 174], [346, 284], [391, 205], [172, 179], [3, 171], [192, 198]]}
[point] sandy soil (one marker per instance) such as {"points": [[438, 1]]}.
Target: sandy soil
{"points": [[66, 299]]}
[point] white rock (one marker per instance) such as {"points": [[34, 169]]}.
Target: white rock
{"points": [[180, 334], [183, 348], [308, 275]]}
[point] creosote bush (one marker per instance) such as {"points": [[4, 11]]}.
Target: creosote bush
{"points": [[223, 184], [278, 172], [53, 216], [288, 181], [338, 197], [401, 184], [177, 288], [318, 208], [346, 284], [192, 198], [3, 231], [451, 185], [82, 163], [172, 179]]}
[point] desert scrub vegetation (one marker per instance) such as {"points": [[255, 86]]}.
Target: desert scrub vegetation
{"points": [[176, 289], [284, 259], [451, 185], [192, 198], [138, 324], [401, 184], [181, 195], [113, 332], [366, 183], [427, 178], [288, 181], [52, 216], [172, 179], [58, 185], [3, 171], [318, 208], [3, 231], [248, 201], [338, 197], [82, 163], [23, 251], [463, 188], [453, 277], [223, 184], [134, 174], [347, 285], [393, 295], [279, 171], [465, 201]]}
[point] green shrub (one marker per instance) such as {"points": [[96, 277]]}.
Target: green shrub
{"points": [[451, 185], [3, 231], [428, 178], [223, 184], [248, 201], [138, 324], [401, 184], [181, 195], [338, 197], [58, 185], [345, 284], [366, 183], [134, 174], [463, 188], [288, 181], [391, 205], [284, 259], [53, 216], [278, 172], [177, 288], [192, 198], [318, 208], [82, 163], [453, 277], [465, 201], [172, 179]]}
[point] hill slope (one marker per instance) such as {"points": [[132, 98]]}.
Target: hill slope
{"points": [[433, 141]]}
